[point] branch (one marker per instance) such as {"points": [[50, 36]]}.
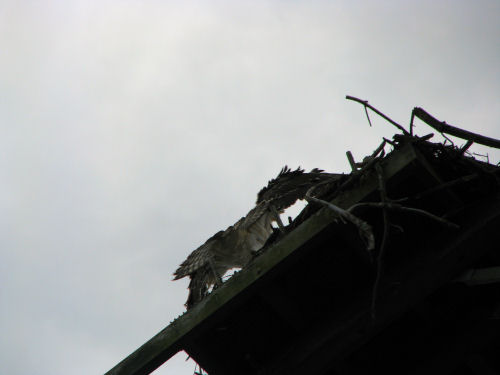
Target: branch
{"points": [[365, 104], [368, 117], [445, 185], [383, 198], [465, 147], [355, 175], [389, 141], [379, 149], [365, 229], [426, 137], [351, 161], [398, 207], [443, 127], [411, 123]]}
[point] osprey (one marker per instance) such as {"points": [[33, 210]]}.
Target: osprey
{"points": [[231, 248], [235, 246]]}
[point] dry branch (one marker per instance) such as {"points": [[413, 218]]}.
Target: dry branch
{"points": [[465, 147], [379, 149], [355, 175], [443, 127], [350, 158], [366, 105], [398, 207], [385, 214], [365, 229]]}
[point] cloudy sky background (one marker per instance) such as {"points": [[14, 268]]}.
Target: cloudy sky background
{"points": [[131, 131]]}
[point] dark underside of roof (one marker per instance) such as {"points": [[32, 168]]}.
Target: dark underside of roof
{"points": [[314, 313], [311, 302]]}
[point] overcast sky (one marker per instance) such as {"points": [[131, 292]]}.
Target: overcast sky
{"points": [[131, 131]]}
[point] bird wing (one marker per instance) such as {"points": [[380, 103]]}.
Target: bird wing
{"points": [[291, 185], [198, 257], [220, 248]]}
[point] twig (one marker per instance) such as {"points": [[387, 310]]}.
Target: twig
{"points": [[357, 174], [365, 229], [390, 142], [351, 161], [379, 149], [385, 205], [370, 158], [381, 184], [452, 130], [426, 137], [411, 123], [483, 156], [448, 139], [365, 103], [368, 116], [378, 277], [398, 207], [465, 147]]}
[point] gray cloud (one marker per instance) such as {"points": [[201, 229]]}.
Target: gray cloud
{"points": [[132, 131]]}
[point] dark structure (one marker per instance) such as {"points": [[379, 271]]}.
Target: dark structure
{"points": [[315, 301]]}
